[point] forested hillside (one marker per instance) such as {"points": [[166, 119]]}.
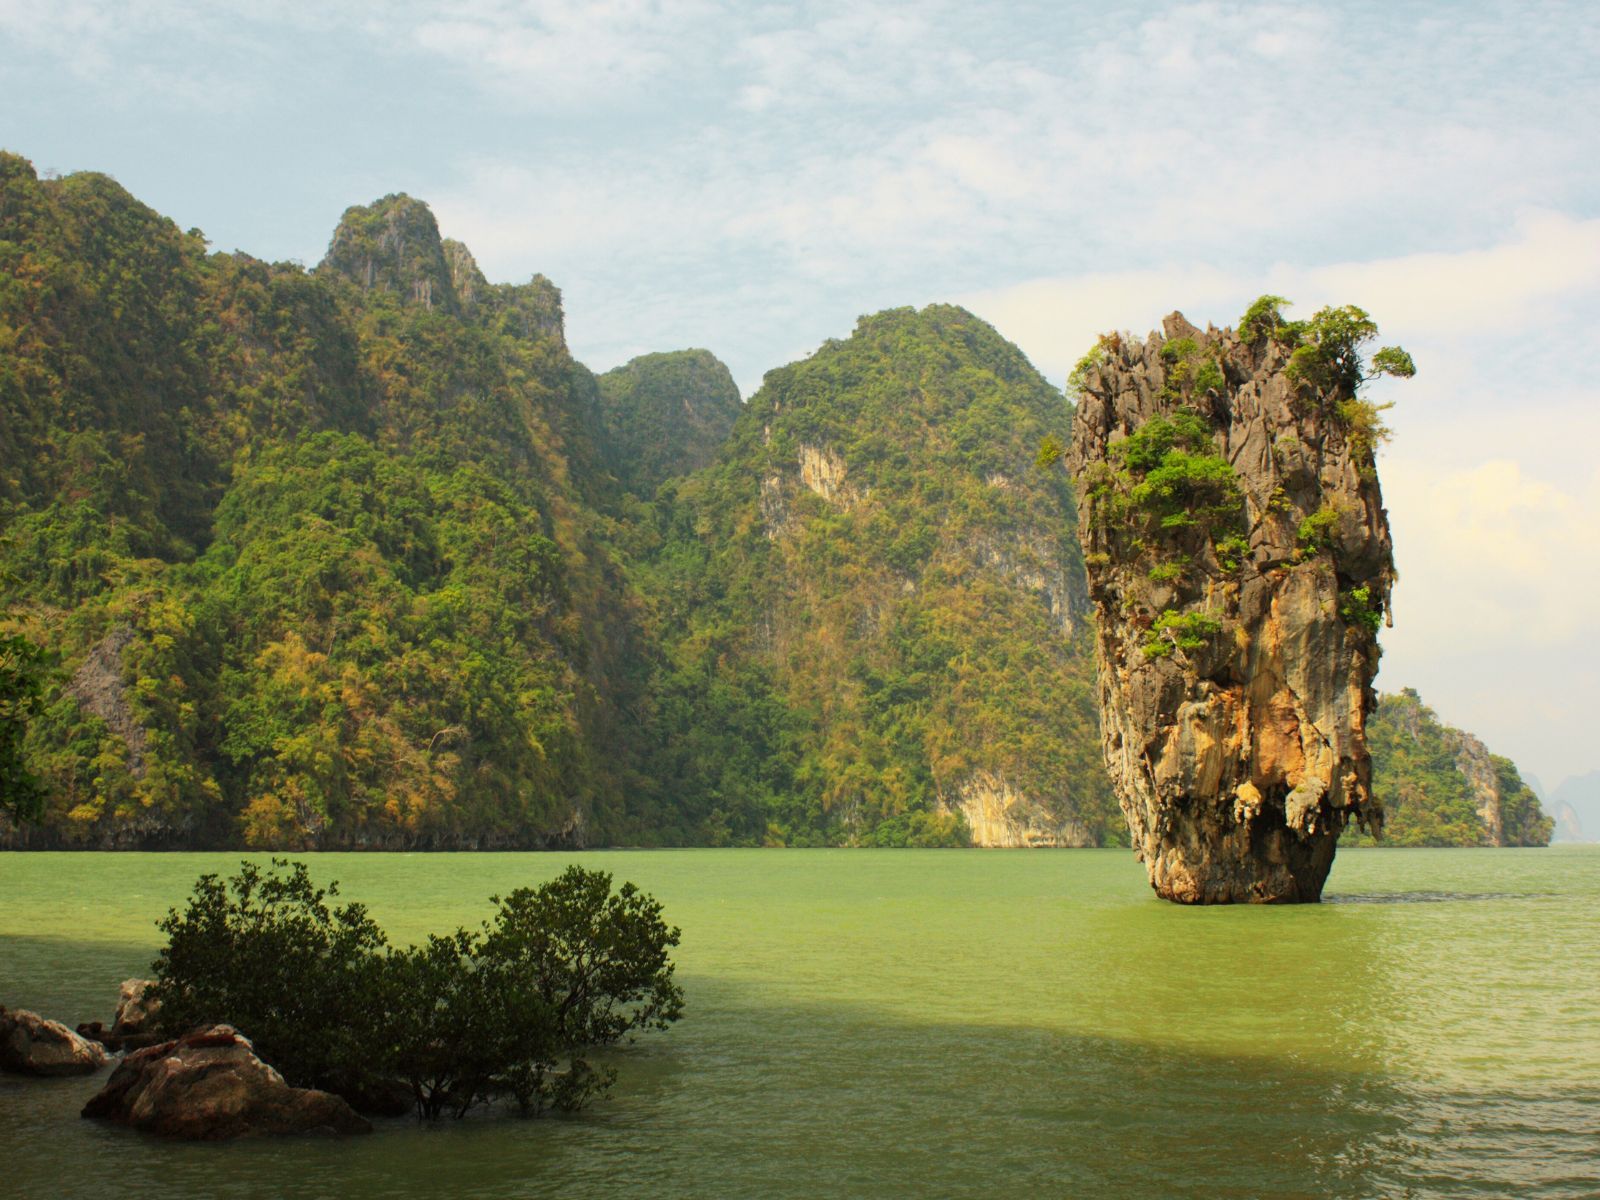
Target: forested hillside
{"points": [[665, 415], [316, 552], [360, 556], [1440, 786], [870, 606]]}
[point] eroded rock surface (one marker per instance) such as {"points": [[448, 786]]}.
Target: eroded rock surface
{"points": [[999, 816], [32, 1045], [1239, 563], [135, 1026], [210, 1086]]}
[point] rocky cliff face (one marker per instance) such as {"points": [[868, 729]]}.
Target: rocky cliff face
{"points": [[1239, 563], [999, 816], [393, 245]]}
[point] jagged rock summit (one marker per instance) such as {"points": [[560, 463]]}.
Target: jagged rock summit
{"points": [[392, 247], [1239, 565]]}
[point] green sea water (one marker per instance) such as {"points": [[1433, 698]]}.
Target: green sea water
{"points": [[937, 1023]]}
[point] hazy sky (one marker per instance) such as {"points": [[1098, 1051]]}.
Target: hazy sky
{"points": [[750, 177]]}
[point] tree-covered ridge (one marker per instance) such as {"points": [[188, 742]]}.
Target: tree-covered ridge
{"points": [[360, 556], [666, 415], [317, 557], [868, 605], [1442, 787]]}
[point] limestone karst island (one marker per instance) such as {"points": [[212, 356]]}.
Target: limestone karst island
{"points": [[359, 557]]}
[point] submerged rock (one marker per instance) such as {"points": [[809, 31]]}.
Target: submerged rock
{"points": [[210, 1086], [33, 1045], [1239, 564]]}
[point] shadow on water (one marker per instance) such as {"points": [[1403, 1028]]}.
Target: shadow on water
{"points": [[748, 1097]]}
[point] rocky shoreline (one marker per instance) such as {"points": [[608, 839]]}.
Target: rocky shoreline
{"points": [[207, 1085]]}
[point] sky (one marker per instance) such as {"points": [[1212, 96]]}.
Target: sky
{"points": [[750, 177]]}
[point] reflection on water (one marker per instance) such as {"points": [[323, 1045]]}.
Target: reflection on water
{"points": [[944, 1023], [1423, 897]]}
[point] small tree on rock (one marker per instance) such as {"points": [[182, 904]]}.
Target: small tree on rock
{"points": [[267, 953]]}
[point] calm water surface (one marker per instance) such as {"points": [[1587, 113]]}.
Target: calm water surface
{"points": [[938, 1023]]}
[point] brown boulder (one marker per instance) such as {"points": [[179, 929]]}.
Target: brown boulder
{"points": [[32, 1045], [210, 1086], [135, 1025]]}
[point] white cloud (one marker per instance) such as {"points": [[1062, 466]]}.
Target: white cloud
{"points": [[1511, 285], [561, 52], [1492, 552], [1498, 600]]}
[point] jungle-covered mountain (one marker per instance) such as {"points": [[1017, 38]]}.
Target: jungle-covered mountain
{"points": [[869, 605], [665, 415], [1440, 786], [360, 556], [319, 553]]}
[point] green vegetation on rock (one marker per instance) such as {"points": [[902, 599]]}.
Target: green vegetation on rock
{"points": [[21, 688], [666, 415], [1442, 787], [361, 557], [510, 1010]]}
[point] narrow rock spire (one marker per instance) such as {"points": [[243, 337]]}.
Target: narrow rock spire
{"points": [[1239, 565]]}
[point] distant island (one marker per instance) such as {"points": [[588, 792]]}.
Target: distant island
{"points": [[360, 557], [1575, 805]]}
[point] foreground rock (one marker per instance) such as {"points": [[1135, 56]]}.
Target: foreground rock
{"points": [[1239, 564], [137, 1009], [32, 1045], [210, 1086], [135, 1026]]}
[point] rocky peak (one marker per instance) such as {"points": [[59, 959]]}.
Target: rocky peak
{"points": [[1239, 565], [466, 280], [393, 246], [529, 310], [666, 415]]}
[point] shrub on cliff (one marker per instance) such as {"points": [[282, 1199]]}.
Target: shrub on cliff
{"points": [[507, 1011], [1328, 360]]}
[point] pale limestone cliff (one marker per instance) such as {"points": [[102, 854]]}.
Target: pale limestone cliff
{"points": [[823, 471], [1474, 762], [97, 686], [1000, 816], [1239, 560]]}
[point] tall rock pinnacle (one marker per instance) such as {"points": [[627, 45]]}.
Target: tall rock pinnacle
{"points": [[1239, 565]]}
